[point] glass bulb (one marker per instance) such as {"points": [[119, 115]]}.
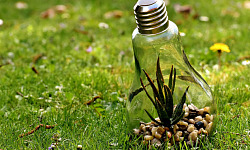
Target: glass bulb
{"points": [[156, 36]]}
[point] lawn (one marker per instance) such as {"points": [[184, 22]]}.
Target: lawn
{"points": [[54, 60]]}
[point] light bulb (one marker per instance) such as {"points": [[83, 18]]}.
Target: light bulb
{"points": [[156, 36]]}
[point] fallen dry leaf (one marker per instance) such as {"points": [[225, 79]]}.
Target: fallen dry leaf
{"points": [[182, 9], [60, 8], [37, 127], [51, 12], [185, 10], [37, 57], [34, 69], [113, 14], [232, 13], [91, 101], [167, 2], [246, 104]]}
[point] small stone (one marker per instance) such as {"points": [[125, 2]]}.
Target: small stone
{"points": [[201, 112], [186, 109], [191, 108], [148, 137], [192, 136], [195, 108], [166, 128], [175, 128], [141, 122], [186, 114], [185, 119], [198, 118], [179, 133], [160, 130], [147, 133], [158, 136], [190, 128], [158, 119], [211, 118], [207, 109], [183, 128], [176, 138], [147, 128], [191, 121], [207, 117], [184, 105], [144, 129], [182, 123], [205, 122], [169, 134], [153, 131], [209, 127], [192, 115], [202, 131], [136, 131], [156, 142], [199, 125], [141, 126]]}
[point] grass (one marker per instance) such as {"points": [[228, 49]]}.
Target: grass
{"points": [[69, 76]]}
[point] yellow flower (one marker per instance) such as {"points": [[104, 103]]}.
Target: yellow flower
{"points": [[220, 47]]}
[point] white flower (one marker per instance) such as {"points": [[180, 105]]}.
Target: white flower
{"points": [[182, 34], [103, 25], [59, 87], [1, 22], [245, 62]]}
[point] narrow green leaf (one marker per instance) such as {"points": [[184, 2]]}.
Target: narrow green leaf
{"points": [[147, 93], [179, 107], [159, 73], [152, 84], [169, 101], [170, 78], [173, 85], [177, 119], [160, 81], [152, 118]]}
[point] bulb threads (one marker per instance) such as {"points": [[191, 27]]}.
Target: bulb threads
{"points": [[151, 19]]}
